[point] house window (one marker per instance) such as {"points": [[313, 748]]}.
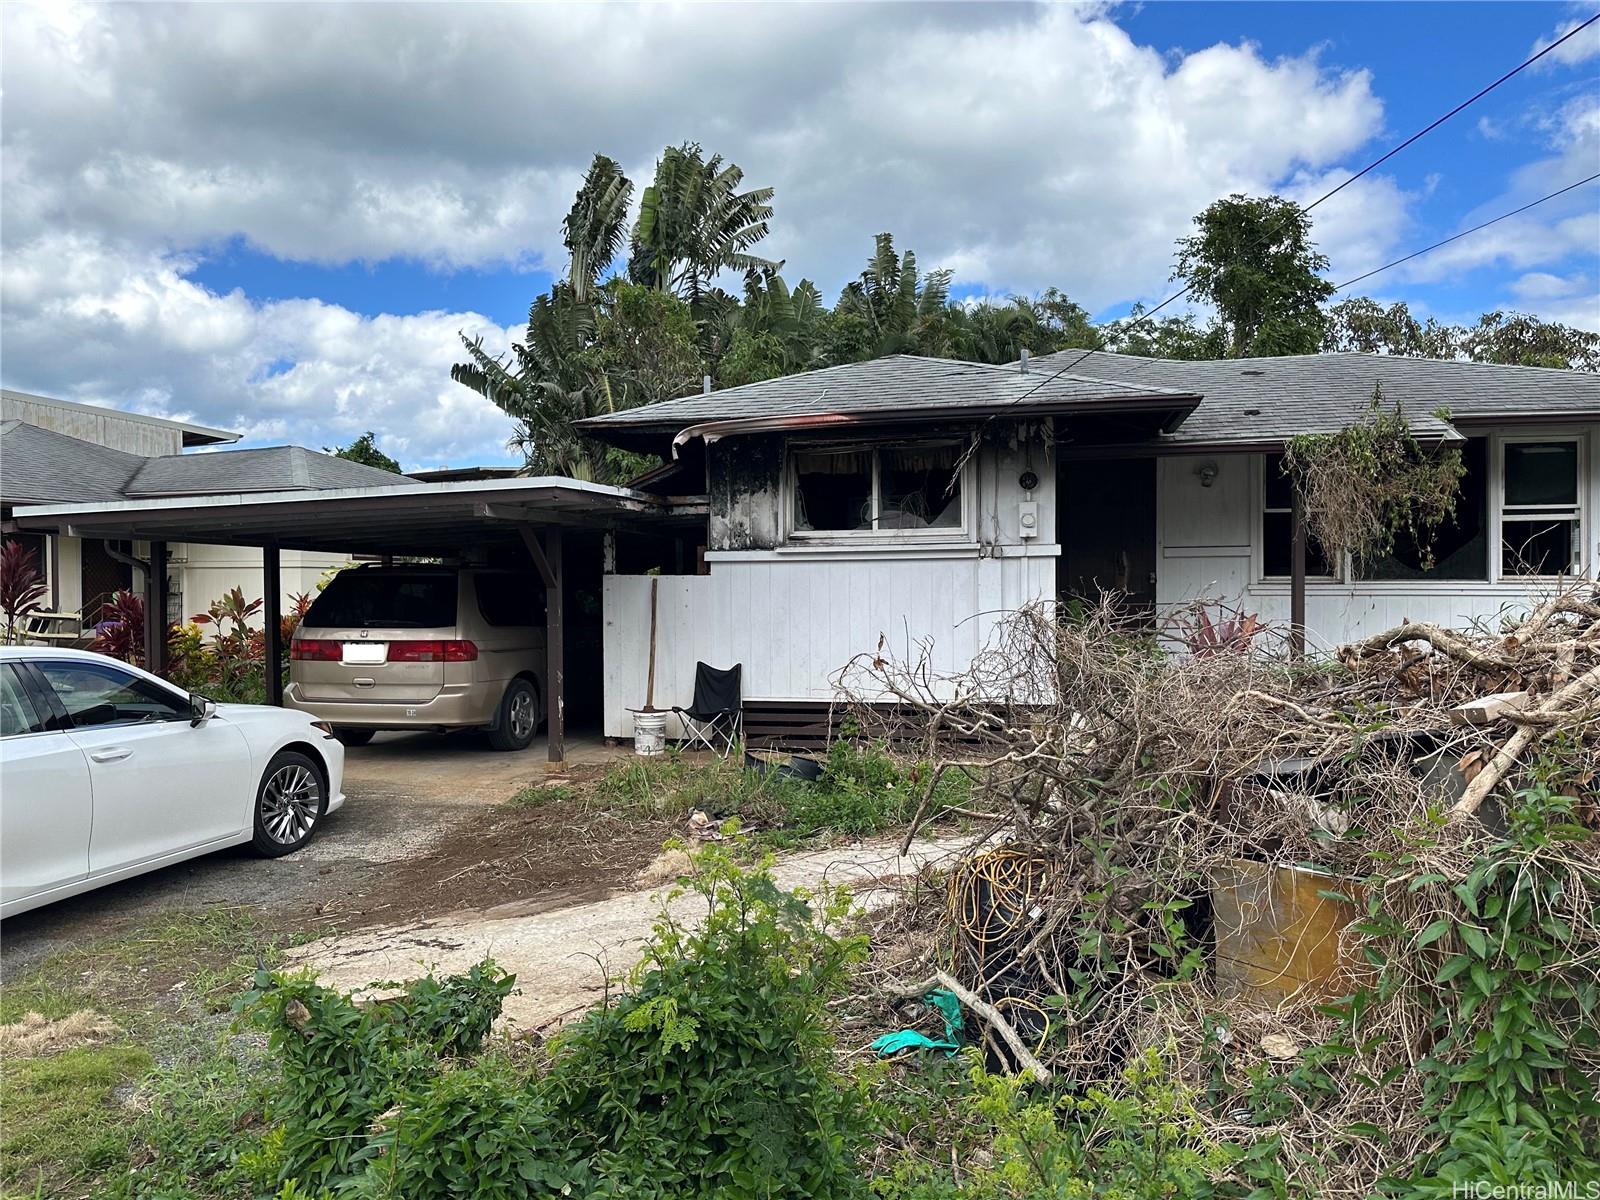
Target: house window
{"points": [[900, 491], [1460, 546], [1541, 519], [1277, 529]]}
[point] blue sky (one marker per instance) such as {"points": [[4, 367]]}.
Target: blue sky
{"points": [[286, 215]]}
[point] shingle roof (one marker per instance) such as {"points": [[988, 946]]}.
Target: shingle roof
{"points": [[1245, 401], [41, 466], [1270, 399], [895, 382], [270, 469]]}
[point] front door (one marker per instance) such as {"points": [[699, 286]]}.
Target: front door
{"points": [[1107, 519]]}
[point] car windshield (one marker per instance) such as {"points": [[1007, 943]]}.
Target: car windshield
{"points": [[384, 598]]}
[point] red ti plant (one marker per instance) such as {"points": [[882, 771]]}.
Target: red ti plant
{"points": [[299, 606], [120, 632], [22, 586], [1231, 631]]}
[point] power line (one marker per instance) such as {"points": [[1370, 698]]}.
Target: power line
{"points": [[1178, 295], [1465, 232], [1520, 67]]}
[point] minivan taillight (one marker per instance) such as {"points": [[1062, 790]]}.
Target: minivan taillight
{"points": [[316, 650], [431, 651]]}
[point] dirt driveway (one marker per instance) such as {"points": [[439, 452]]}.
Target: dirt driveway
{"points": [[423, 831]]}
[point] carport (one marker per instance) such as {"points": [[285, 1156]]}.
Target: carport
{"points": [[451, 521]]}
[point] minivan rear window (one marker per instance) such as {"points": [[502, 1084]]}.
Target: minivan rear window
{"points": [[384, 598]]}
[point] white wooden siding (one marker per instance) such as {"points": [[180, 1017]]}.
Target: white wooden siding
{"points": [[1208, 545], [794, 620]]}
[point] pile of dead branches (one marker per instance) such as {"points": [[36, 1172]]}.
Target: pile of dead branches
{"points": [[1121, 781]]}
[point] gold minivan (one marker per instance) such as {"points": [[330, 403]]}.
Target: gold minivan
{"points": [[423, 647]]}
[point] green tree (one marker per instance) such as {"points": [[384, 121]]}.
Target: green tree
{"points": [[903, 310], [694, 223], [1254, 261], [364, 450], [1171, 337], [593, 229], [1362, 325], [1522, 340], [644, 343]]}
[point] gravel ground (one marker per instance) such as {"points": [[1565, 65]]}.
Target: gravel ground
{"points": [[419, 808]]}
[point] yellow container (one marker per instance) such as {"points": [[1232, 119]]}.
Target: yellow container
{"points": [[1277, 937]]}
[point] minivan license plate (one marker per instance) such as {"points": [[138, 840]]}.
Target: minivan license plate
{"points": [[366, 653]]}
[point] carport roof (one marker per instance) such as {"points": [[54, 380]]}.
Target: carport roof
{"points": [[436, 519]]}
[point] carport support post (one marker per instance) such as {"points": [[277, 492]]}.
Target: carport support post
{"points": [[1297, 575], [272, 620], [548, 559], [555, 651], [155, 610]]}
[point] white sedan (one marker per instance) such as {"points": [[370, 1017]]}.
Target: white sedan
{"points": [[107, 771]]}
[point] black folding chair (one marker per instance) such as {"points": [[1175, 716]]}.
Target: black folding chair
{"points": [[716, 718]]}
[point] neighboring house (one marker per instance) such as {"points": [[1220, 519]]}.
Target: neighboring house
{"points": [[912, 502], [61, 452]]}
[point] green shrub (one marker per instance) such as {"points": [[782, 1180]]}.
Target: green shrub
{"points": [[713, 1075], [345, 1065], [1142, 1140]]}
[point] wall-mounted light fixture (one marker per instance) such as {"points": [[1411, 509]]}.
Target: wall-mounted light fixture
{"points": [[1207, 472]]}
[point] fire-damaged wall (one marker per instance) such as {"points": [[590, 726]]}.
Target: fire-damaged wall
{"points": [[746, 477], [794, 611]]}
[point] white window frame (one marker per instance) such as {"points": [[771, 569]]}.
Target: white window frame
{"points": [[1258, 535], [1500, 511], [946, 535]]}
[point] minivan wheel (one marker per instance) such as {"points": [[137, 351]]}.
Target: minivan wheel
{"points": [[349, 735], [518, 719], [290, 802]]}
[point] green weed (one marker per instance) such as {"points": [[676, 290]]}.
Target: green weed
{"points": [[537, 795], [60, 1127]]}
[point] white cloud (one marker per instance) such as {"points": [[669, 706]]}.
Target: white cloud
{"points": [[1576, 50], [1038, 145], [1024, 146], [103, 325]]}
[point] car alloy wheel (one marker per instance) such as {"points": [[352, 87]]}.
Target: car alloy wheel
{"points": [[524, 715], [290, 804]]}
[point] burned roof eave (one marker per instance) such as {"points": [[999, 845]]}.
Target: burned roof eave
{"points": [[1172, 407]]}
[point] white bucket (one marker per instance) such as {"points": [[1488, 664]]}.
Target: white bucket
{"points": [[649, 732]]}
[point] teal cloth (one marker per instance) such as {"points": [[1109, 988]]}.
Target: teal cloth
{"points": [[942, 1001], [909, 1039]]}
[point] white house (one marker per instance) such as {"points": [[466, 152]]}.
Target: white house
{"points": [[915, 501], [62, 452]]}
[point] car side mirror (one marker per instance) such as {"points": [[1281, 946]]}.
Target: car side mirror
{"points": [[201, 710]]}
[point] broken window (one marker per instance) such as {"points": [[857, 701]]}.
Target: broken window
{"points": [[1541, 520], [880, 489], [1460, 546], [1277, 530]]}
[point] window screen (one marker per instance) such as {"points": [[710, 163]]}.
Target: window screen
{"points": [[390, 599]]}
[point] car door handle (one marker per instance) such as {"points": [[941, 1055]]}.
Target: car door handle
{"points": [[111, 754]]}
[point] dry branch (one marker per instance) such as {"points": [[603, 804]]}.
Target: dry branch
{"points": [[984, 1009]]}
